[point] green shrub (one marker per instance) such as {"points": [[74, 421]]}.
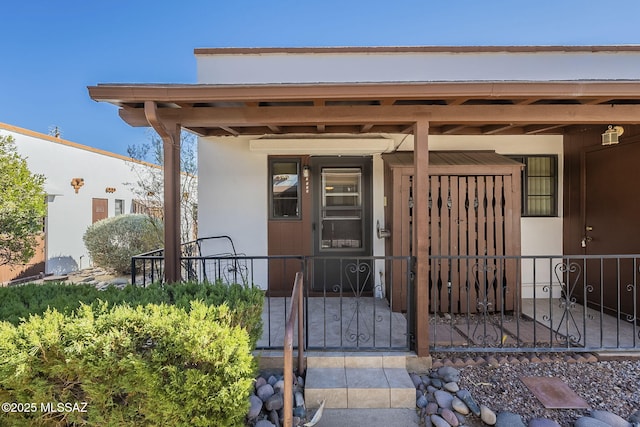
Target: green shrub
{"points": [[112, 242], [244, 302], [146, 366]]}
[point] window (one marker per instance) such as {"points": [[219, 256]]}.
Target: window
{"points": [[342, 225], [285, 189], [539, 185], [119, 207]]}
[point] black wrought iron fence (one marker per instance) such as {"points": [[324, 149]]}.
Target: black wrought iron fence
{"points": [[534, 303]]}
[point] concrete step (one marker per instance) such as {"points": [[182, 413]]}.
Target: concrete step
{"points": [[359, 381]]}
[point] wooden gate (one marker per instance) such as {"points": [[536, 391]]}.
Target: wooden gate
{"points": [[474, 218]]}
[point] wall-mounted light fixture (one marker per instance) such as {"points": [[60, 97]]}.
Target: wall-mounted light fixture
{"points": [[76, 183], [611, 135], [110, 190], [306, 172]]}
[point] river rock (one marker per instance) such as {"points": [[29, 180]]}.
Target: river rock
{"points": [[543, 422], [436, 382], [589, 422], [274, 418], [451, 387], [444, 399], [274, 402], [422, 402], [466, 397], [278, 387], [487, 415], [299, 398], [255, 406], [264, 423], [260, 381], [509, 419], [450, 417], [265, 392], [432, 408], [610, 418], [459, 406], [635, 417], [438, 421], [272, 380], [415, 379], [449, 374]]}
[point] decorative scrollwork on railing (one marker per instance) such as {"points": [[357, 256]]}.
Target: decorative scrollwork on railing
{"points": [[568, 276], [358, 328], [631, 287], [485, 331]]}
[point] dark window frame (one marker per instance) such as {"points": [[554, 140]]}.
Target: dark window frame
{"points": [[524, 158], [272, 162]]}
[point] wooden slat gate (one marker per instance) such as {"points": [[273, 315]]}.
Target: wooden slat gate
{"points": [[467, 218], [474, 214]]}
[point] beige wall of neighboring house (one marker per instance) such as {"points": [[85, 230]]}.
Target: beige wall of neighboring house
{"points": [[106, 182]]}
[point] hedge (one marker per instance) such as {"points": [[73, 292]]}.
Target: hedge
{"points": [[245, 302], [152, 365]]}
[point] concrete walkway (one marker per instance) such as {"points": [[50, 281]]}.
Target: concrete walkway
{"points": [[369, 418]]}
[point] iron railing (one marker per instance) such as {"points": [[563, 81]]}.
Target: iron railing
{"points": [[294, 316], [534, 303]]}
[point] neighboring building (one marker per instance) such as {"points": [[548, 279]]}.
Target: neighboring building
{"points": [[353, 152], [83, 185]]}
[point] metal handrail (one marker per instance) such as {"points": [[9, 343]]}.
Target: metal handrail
{"points": [[294, 310]]}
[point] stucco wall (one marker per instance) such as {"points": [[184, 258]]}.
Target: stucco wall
{"points": [[233, 193], [333, 67], [70, 213]]}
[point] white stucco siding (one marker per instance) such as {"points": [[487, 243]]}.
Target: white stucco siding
{"points": [[233, 192], [232, 198], [70, 213], [350, 67]]}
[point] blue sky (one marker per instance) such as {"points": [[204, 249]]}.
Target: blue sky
{"points": [[52, 50]]}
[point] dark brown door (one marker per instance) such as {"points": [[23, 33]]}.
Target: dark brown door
{"points": [[289, 223], [612, 222], [100, 209]]}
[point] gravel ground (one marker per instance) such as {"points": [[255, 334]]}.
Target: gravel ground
{"points": [[613, 386]]}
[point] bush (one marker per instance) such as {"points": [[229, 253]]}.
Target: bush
{"points": [[112, 242], [244, 302], [146, 366]]}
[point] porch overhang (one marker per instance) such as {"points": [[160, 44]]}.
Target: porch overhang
{"points": [[418, 108], [468, 108]]}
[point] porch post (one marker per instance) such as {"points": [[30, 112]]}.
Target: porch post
{"points": [[170, 134], [421, 234]]}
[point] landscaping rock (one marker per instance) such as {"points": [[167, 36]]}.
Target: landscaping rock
{"points": [[264, 423], [459, 406], [274, 402], [487, 415], [449, 374], [438, 421], [265, 392], [444, 399], [466, 397], [543, 422], [509, 419], [589, 422], [450, 417], [255, 406], [612, 419]]}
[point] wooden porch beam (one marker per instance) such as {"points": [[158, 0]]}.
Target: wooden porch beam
{"points": [[421, 234], [459, 115], [230, 130], [169, 131], [448, 130], [494, 129], [532, 130]]}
